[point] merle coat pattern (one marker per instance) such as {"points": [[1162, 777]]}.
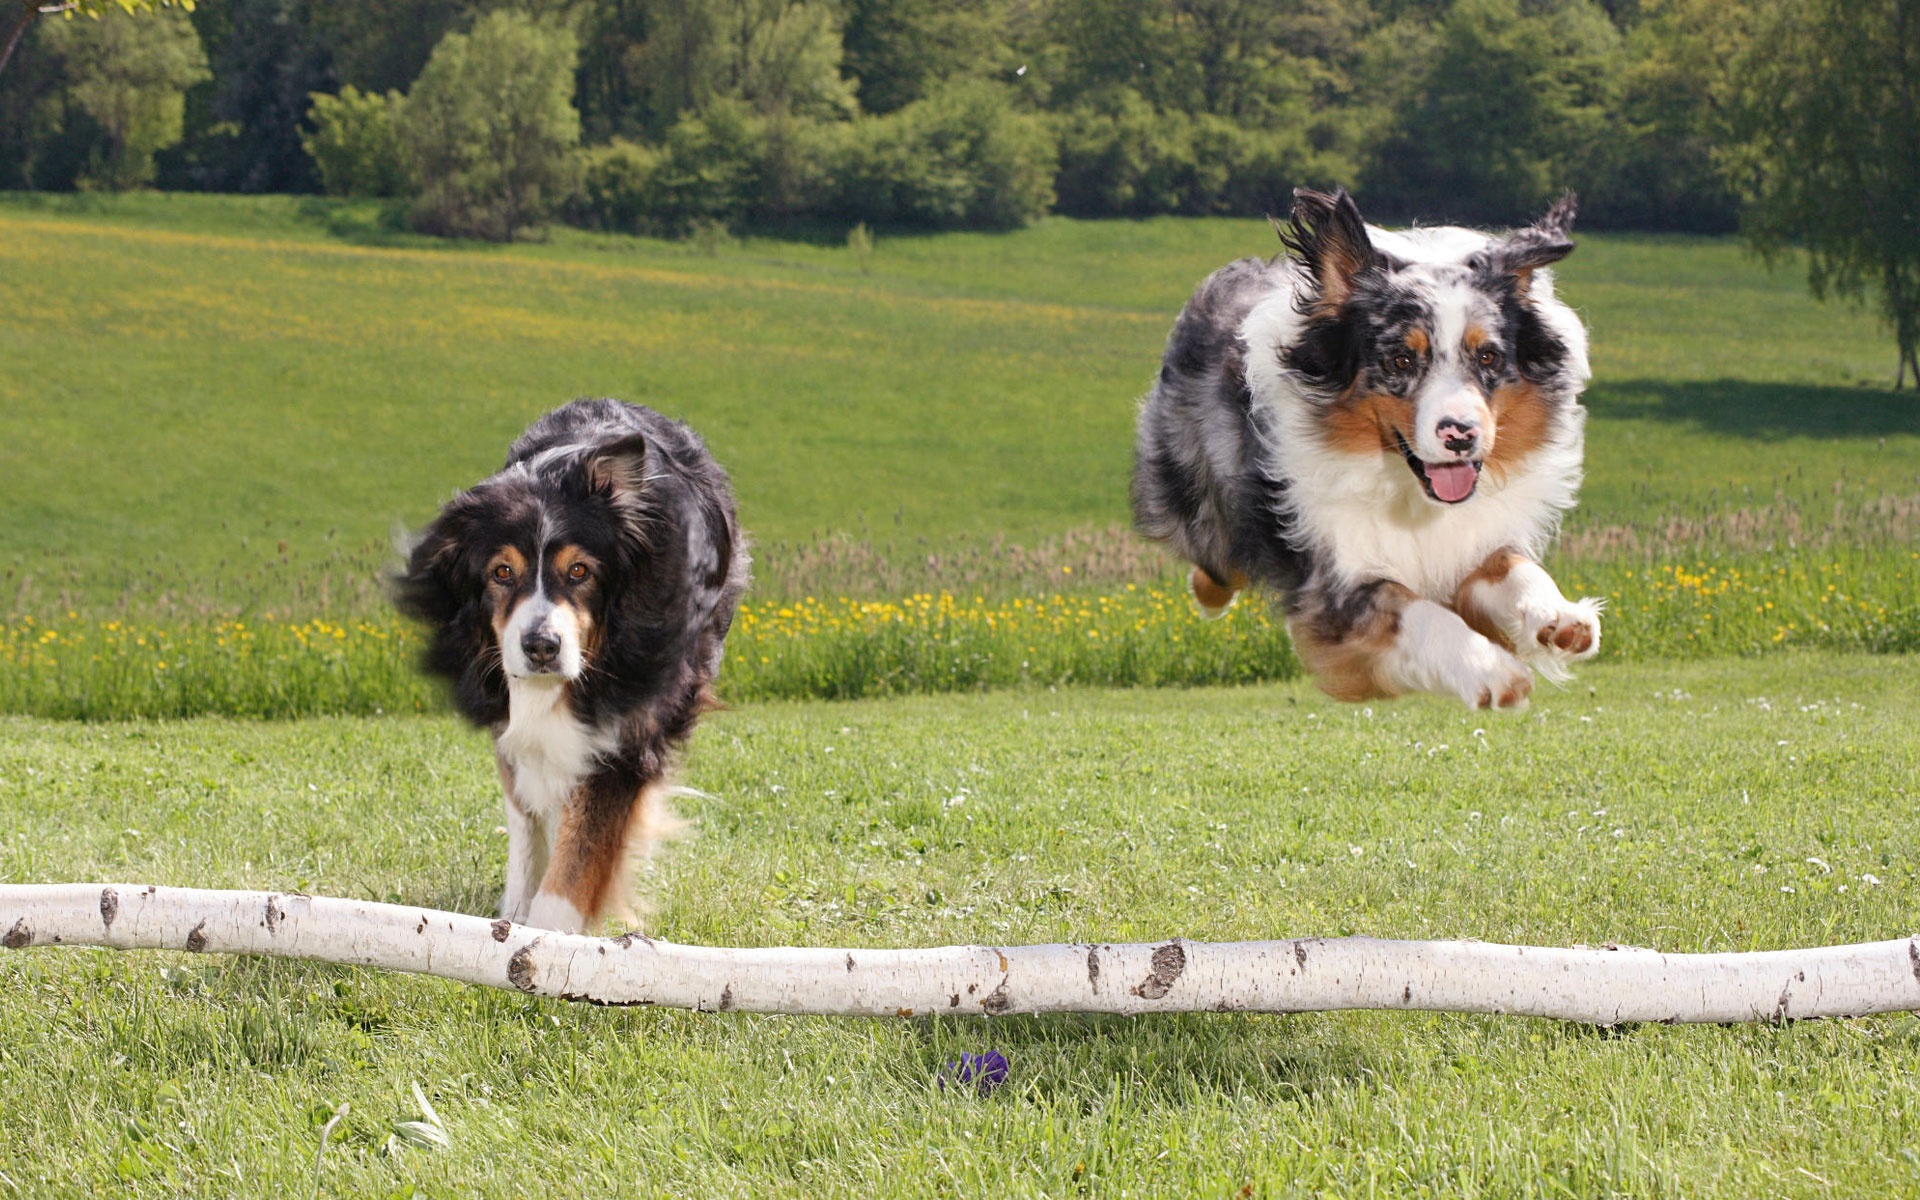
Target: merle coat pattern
{"points": [[1382, 429]]}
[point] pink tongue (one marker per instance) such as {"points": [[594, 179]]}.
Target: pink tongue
{"points": [[1451, 481]]}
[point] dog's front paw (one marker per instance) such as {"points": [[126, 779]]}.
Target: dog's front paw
{"points": [[1552, 638], [1492, 678]]}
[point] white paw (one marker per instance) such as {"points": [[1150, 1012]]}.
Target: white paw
{"points": [[556, 913], [1552, 638], [1210, 612], [1489, 677]]}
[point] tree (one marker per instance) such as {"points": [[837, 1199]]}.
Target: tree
{"points": [[268, 59], [1824, 146], [780, 56], [131, 78], [23, 13], [355, 143], [1498, 106], [1658, 168], [899, 50], [489, 129]]}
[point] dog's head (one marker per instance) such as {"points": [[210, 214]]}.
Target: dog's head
{"points": [[520, 576], [1441, 357]]}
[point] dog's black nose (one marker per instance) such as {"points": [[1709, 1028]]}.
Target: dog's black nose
{"points": [[1458, 436], [540, 647]]}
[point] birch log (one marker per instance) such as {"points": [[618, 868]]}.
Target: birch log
{"points": [[1604, 986]]}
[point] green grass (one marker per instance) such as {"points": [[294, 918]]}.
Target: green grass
{"points": [[228, 403], [1725, 805], [1844, 597]]}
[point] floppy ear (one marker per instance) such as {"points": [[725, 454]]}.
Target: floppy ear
{"points": [[431, 586], [1327, 235], [619, 469], [1540, 244]]}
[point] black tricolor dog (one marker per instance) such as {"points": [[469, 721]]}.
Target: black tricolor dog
{"points": [[577, 601], [1384, 428]]}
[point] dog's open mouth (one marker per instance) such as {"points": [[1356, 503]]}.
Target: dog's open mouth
{"points": [[1449, 483]]}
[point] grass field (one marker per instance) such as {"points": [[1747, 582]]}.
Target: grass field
{"points": [[216, 401], [217, 409], [1724, 805], [222, 408]]}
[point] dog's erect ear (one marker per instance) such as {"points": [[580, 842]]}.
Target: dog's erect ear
{"points": [[619, 468], [1540, 244], [1327, 235]]}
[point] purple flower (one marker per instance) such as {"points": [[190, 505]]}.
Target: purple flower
{"points": [[984, 1071]]}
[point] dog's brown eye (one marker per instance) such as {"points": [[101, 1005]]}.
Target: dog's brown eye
{"points": [[1401, 362], [577, 572], [1490, 358], [502, 573]]}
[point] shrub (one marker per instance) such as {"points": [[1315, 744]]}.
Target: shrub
{"points": [[355, 143], [1118, 156], [489, 129], [710, 172], [618, 187], [962, 157]]}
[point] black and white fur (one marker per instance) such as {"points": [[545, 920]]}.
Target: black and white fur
{"points": [[577, 602], [1384, 429]]}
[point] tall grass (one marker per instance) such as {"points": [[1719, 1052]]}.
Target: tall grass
{"points": [[1840, 596]]}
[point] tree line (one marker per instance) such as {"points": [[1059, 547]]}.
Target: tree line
{"points": [[1793, 118]]}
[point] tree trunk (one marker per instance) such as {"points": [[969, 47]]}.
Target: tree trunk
{"points": [[1603, 985], [23, 20]]}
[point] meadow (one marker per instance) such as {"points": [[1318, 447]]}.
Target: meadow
{"points": [[966, 705], [1720, 805], [222, 409]]}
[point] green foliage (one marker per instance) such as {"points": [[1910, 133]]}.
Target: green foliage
{"points": [[21, 15], [900, 50], [617, 186], [776, 56], [1655, 168], [710, 169], [964, 157], [129, 75], [1499, 105], [1823, 110], [355, 143], [489, 129], [1119, 156]]}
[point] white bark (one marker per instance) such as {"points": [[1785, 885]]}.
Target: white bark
{"points": [[1605, 986]]}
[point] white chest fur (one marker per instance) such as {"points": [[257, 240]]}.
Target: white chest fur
{"points": [[549, 749], [1364, 515]]}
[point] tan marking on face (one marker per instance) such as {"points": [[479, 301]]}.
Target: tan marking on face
{"points": [[567, 556], [1347, 667], [507, 556], [1365, 422], [575, 595], [1491, 572], [500, 597], [1417, 341], [1524, 419], [1210, 592], [1472, 340]]}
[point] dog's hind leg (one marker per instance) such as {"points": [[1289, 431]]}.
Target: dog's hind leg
{"points": [[1213, 596], [1512, 600], [1379, 639]]}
